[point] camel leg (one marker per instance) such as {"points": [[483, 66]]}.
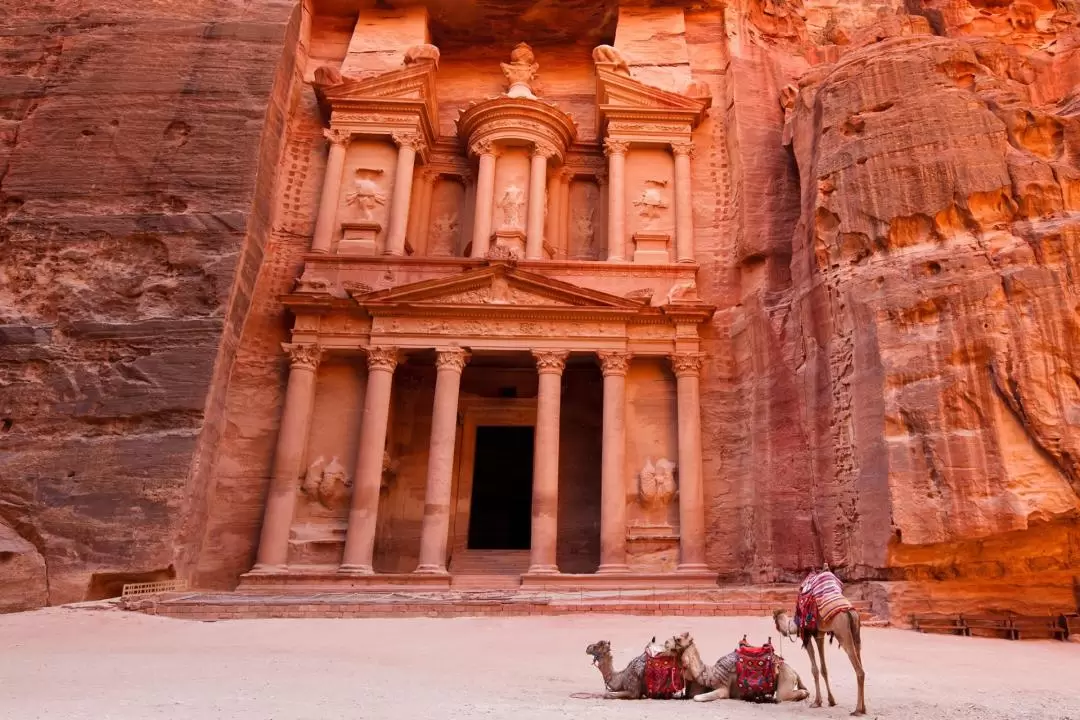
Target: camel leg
{"points": [[814, 672], [620, 695], [855, 655], [820, 641], [789, 686], [717, 694]]}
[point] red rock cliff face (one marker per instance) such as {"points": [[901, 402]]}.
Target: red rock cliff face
{"points": [[137, 154]]}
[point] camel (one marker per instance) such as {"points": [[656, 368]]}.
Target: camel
{"points": [[628, 683], [718, 682], [844, 626]]}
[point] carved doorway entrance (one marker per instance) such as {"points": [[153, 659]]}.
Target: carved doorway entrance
{"points": [[501, 505]]}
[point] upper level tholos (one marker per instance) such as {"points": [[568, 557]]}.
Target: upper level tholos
{"points": [[566, 179]]}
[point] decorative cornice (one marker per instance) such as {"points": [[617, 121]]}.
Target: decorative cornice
{"points": [[451, 359], [303, 356], [550, 361], [614, 362], [687, 364], [382, 358], [616, 147], [683, 148]]}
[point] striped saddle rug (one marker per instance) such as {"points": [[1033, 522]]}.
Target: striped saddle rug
{"points": [[821, 597]]}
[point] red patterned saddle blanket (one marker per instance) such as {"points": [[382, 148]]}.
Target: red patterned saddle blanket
{"points": [[756, 670], [663, 677]]}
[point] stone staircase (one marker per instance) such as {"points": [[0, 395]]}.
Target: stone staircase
{"points": [[488, 569]]}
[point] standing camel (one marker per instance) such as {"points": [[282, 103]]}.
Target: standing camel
{"points": [[837, 618]]}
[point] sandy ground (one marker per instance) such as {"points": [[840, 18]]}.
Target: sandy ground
{"points": [[76, 663]]}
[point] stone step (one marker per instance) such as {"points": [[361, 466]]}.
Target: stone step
{"points": [[489, 562], [485, 582]]}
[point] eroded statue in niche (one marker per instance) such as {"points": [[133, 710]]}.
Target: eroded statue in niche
{"points": [[443, 233], [685, 291], [367, 195], [656, 483], [310, 283], [512, 203], [422, 53], [327, 484], [609, 56], [651, 202], [521, 71]]}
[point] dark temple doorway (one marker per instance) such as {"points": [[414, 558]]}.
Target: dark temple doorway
{"points": [[500, 515]]}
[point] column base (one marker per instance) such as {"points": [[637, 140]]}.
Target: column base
{"points": [[543, 570], [686, 261], [616, 259], [265, 569], [356, 570], [613, 569], [430, 570], [692, 568], [320, 251]]}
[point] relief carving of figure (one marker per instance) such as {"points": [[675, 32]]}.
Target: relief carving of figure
{"points": [[651, 202], [584, 231], [335, 488], [521, 71], [368, 195], [422, 53], [656, 483], [313, 478], [686, 291], [308, 283], [512, 203], [443, 232]]}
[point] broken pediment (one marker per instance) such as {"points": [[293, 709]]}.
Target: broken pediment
{"points": [[410, 90], [623, 99], [498, 284]]}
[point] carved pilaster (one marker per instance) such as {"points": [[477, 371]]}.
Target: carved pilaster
{"points": [[382, 358], [451, 359], [550, 361], [687, 364], [303, 356], [614, 362]]}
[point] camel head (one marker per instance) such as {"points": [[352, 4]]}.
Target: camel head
{"points": [[782, 623], [599, 651], [678, 644]]}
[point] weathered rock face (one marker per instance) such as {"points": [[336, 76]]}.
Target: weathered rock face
{"points": [[134, 189], [887, 217]]}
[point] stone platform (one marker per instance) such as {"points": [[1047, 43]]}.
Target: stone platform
{"points": [[251, 604]]}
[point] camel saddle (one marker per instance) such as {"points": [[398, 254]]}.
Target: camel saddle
{"points": [[756, 670], [663, 677]]}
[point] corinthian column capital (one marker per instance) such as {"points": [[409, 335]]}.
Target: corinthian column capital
{"points": [[451, 359], [303, 356], [614, 362], [687, 364], [337, 136], [683, 148], [550, 361], [616, 147], [382, 358]]}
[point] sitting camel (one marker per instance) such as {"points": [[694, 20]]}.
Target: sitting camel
{"points": [[719, 681], [841, 622], [628, 683]]}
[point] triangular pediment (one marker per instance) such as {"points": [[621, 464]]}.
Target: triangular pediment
{"points": [[614, 89], [497, 285], [412, 85]]}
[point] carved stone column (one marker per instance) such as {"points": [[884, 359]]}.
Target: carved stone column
{"points": [[545, 503], [292, 439], [436, 529], [616, 151], [687, 367], [554, 215], [363, 513], [684, 202], [614, 365], [420, 210], [409, 144], [534, 228], [485, 197], [331, 191]]}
